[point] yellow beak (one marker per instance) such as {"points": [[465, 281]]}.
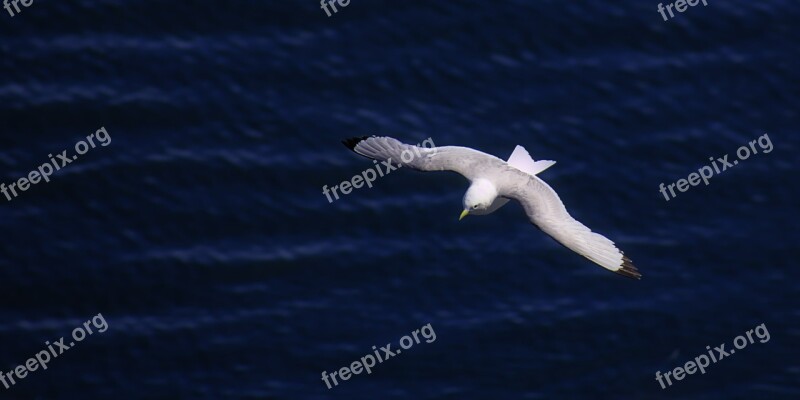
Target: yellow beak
{"points": [[463, 214]]}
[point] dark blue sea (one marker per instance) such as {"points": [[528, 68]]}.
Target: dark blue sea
{"points": [[193, 251]]}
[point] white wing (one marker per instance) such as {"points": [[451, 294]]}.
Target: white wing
{"points": [[545, 209], [463, 160], [539, 200]]}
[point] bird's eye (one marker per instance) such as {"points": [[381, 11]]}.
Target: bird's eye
{"points": [[475, 206]]}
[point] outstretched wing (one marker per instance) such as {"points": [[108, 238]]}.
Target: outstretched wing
{"points": [[462, 160], [545, 210]]}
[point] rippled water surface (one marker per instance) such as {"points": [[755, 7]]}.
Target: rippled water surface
{"points": [[202, 236]]}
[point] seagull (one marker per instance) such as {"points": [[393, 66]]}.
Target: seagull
{"points": [[493, 182]]}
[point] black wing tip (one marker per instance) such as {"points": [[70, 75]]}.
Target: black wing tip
{"points": [[628, 269], [351, 143]]}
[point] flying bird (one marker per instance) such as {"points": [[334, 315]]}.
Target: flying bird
{"points": [[493, 182]]}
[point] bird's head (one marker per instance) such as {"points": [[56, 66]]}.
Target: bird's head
{"points": [[479, 197]]}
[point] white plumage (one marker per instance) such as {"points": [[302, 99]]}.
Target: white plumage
{"points": [[494, 182]]}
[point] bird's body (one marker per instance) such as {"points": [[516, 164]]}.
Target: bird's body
{"points": [[494, 182]]}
